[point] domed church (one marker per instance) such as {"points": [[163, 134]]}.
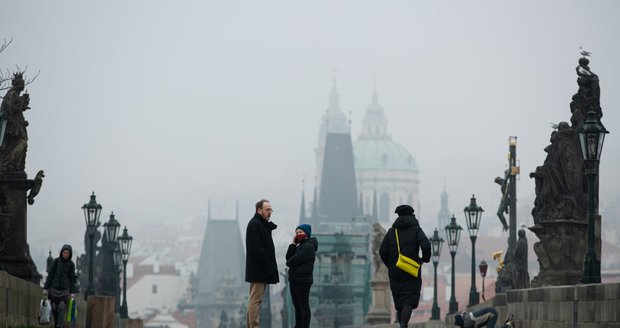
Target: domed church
{"points": [[386, 172]]}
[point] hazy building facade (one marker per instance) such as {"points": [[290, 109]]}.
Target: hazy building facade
{"points": [[383, 167]]}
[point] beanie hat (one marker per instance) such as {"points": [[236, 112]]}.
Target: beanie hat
{"points": [[306, 228], [404, 210]]}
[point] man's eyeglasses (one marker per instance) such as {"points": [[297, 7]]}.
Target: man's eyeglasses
{"points": [[267, 209]]}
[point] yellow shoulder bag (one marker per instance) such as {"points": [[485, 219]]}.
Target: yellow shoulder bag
{"points": [[405, 263]]}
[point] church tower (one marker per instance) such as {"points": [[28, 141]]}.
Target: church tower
{"points": [[334, 120], [383, 166], [443, 217]]}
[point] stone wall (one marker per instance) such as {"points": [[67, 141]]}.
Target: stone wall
{"points": [[19, 301], [580, 306]]}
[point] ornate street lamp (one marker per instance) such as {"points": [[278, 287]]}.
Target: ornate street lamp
{"points": [[483, 272], [473, 212], [111, 229], [453, 234], [118, 262], [436, 243], [125, 241], [92, 211], [591, 137]]}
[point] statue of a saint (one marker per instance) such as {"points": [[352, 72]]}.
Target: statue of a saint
{"points": [[13, 133], [378, 232], [520, 275]]}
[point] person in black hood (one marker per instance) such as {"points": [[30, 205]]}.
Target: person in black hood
{"points": [[405, 287], [300, 258], [61, 284], [260, 259]]}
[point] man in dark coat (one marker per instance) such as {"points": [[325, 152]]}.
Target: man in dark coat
{"points": [[260, 260], [405, 287], [61, 284], [300, 258]]}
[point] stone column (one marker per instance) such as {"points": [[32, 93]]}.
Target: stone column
{"points": [[560, 251], [381, 302], [14, 251]]}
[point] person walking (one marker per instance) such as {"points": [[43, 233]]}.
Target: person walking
{"points": [[61, 284], [411, 239], [300, 258], [260, 261]]}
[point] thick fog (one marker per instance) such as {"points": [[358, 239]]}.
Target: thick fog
{"points": [[160, 106]]}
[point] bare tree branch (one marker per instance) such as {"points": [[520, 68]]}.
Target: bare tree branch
{"points": [[5, 45], [7, 75]]}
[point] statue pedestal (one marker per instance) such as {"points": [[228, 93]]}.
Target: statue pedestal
{"points": [[14, 251], [561, 251], [381, 303]]}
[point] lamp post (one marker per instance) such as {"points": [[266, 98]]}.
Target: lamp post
{"points": [[125, 241], [436, 243], [483, 272], [473, 212], [112, 229], [118, 262], [591, 137], [92, 211], [453, 234]]}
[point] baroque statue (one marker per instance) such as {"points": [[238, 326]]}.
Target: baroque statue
{"points": [[13, 134], [560, 207]]}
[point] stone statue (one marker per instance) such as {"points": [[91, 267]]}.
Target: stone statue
{"points": [[505, 202], [13, 127], [520, 274], [561, 192], [560, 207], [378, 232], [589, 94], [36, 187]]}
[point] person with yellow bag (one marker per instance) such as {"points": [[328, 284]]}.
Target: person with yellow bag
{"points": [[400, 252]]}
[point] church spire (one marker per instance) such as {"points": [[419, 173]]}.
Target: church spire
{"points": [[302, 210], [443, 217], [374, 124], [315, 209]]}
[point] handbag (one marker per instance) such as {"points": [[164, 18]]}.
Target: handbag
{"points": [[405, 263], [45, 312]]}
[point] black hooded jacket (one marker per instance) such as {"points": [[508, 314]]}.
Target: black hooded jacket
{"points": [[260, 254], [300, 260], [412, 240], [62, 273]]}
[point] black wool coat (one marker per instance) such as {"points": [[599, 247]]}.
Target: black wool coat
{"points": [[62, 273], [260, 254], [300, 260], [405, 288]]}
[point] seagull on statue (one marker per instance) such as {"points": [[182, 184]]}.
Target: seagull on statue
{"points": [[584, 52]]}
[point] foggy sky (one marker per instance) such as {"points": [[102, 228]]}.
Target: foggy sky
{"points": [[160, 106]]}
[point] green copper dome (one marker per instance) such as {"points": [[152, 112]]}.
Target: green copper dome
{"points": [[382, 154]]}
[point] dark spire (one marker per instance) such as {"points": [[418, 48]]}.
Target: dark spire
{"points": [[315, 210], [338, 194], [302, 210]]}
